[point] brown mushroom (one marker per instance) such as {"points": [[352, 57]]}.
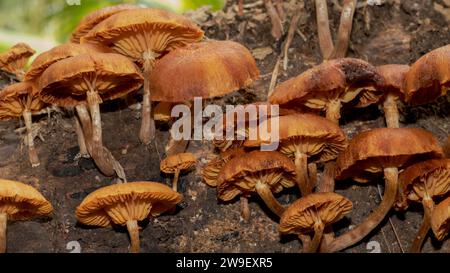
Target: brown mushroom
{"points": [[94, 18], [19, 202], [440, 219], [162, 111], [307, 139], [260, 172], [91, 79], [144, 35], [126, 204], [375, 152], [326, 86], [15, 59], [21, 100], [313, 213], [177, 163], [423, 182], [211, 171], [429, 77]]}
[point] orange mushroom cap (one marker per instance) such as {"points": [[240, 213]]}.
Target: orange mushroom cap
{"points": [[211, 171], [17, 98], [206, 69], [16, 58], [182, 161]]}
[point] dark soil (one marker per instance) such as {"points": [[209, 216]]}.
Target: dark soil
{"points": [[389, 33]]}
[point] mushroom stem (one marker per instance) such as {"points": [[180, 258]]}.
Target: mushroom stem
{"points": [[86, 123], [357, 234], [312, 175], [133, 231], [3, 222], [333, 110], [345, 28], [97, 151], [175, 180], [32, 154], [428, 206], [323, 29], [301, 173], [315, 243], [245, 210], [80, 137], [147, 131], [391, 111], [266, 194]]}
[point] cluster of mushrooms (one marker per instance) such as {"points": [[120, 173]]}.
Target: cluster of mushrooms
{"points": [[117, 50]]}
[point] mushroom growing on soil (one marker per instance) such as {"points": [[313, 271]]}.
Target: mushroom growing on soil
{"points": [[212, 170], [58, 53], [429, 77], [306, 138], [376, 152], [91, 79], [313, 213], [15, 59], [19, 202], [257, 172], [423, 182], [207, 69], [440, 219], [125, 205], [96, 17], [143, 35], [21, 100], [177, 163]]}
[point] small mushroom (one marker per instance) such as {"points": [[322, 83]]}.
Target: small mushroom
{"points": [[177, 163], [313, 213], [15, 59], [126, 204], [91, 79], [307, 139], [429, 77], [19, 202], [143, 35], [163, 112], [257, 172], [21, 100], [375, 152], [423, 182], [326, 86], [211, 171], [96, 17], [440, 219]]}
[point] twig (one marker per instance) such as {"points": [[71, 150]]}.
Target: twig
{"points": [[277, 26], [280, 9], [273, 80], [392, 224], [345, 28], [323, 29], [241, 8], [290, 36]]}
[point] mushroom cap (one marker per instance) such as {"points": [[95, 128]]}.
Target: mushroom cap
{"points": [[120, 203], [321, 139], [393, 76], [21, 202], [94, 18], [301, 216], [113, 76], [18, 97], [58, 53], [16, 57], [182, 161], [142, 30], [429, 77], [206, 69], [435, 173], [162, 111], [340, 78], [232, 182], [440, 219], [211, 171], [368, 153]]}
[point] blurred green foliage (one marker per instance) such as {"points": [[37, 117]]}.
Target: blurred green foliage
{"points": [[55, 19]]}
